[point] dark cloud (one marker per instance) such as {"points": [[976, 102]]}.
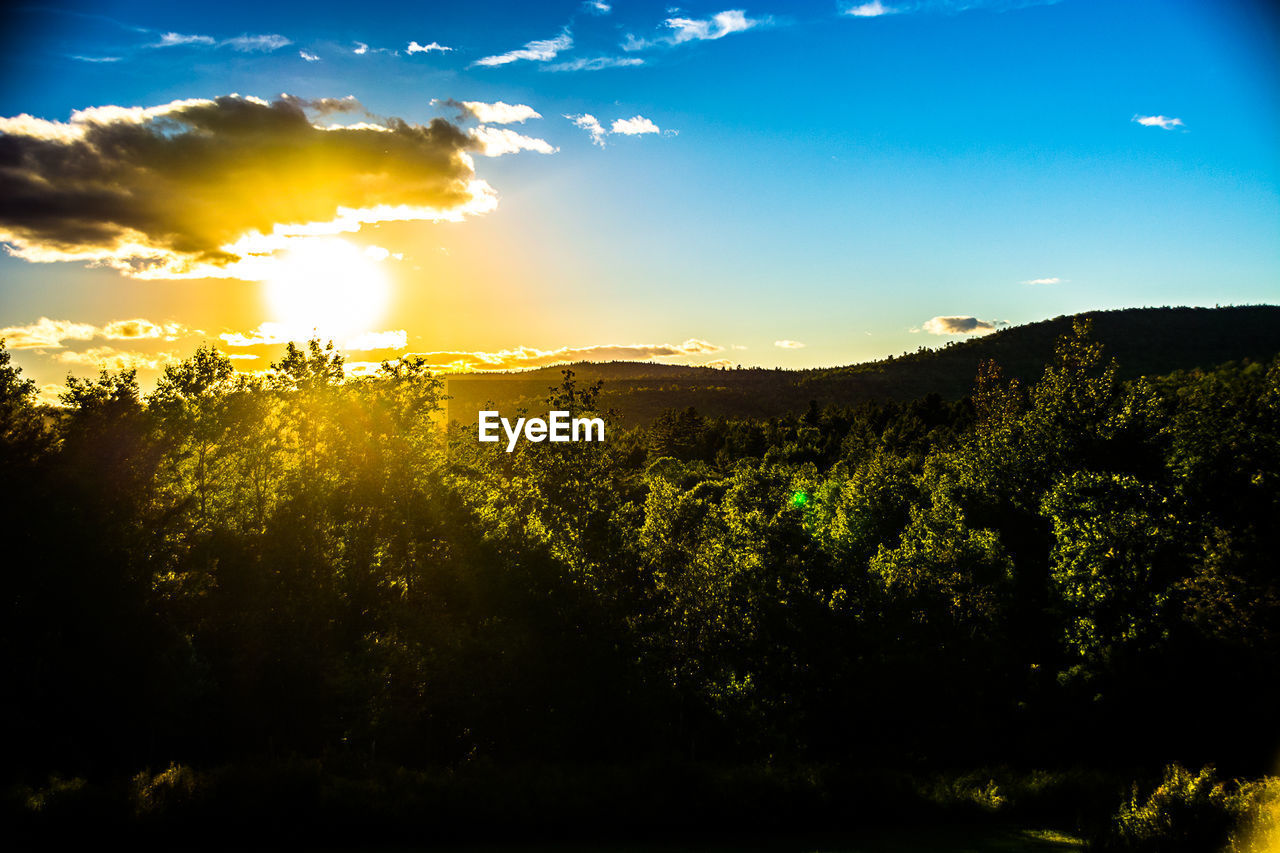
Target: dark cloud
{"points": [[326, 106], [168, 191]]}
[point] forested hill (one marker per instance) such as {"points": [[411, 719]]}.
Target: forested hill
{"points": [[1145, 342]]}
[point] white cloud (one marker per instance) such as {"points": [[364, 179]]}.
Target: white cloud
{"points": [[541, 50], [393, 339], [1158, 121], [46, 333], [97, 58], [597, 63], [414, 47], [499, 112], [634, 126], [874, 9], [246, 43], [788, 344], [52, 334], [177, 39], [962, 325], [597, 7], [717, 26], [682, 30], [360, 49], [496, 141], [588, 122], [256, 43], [309, 57], [266, 333], [1054, 280]]}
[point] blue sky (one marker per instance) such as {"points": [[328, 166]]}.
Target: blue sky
{"points": [[792, 173]]}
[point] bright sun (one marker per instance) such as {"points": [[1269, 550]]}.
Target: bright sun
{"points": [[327, 287]]}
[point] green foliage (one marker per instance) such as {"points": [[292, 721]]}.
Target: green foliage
{"points": [[1074, 568], [164, 791], [1195, 811]]}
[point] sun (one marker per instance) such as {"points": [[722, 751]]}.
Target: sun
{"points": [[327, 287]]}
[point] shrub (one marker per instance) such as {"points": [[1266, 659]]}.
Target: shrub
{"points": [[160, 793], [1197, 812]]}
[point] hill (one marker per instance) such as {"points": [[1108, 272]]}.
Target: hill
{"points": [[1145, 342]]}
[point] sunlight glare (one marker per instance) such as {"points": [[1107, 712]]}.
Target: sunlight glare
{"points": [[327, 287]]}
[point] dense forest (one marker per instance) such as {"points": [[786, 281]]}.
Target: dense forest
{"points": [[298, 600], [1144, 342]]}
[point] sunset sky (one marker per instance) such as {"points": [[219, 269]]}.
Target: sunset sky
{"points": [[510, 184]]}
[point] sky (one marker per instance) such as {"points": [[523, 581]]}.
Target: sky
{"points": [[512, 184]]}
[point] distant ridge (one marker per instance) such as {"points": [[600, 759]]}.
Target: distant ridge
{"points": [[1144, 341]]}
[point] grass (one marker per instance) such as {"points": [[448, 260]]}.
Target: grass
{"points": [[932, 840]]}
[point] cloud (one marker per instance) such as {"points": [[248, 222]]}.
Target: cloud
{"points": [[309, 57], [46, 333], [360, 49], [246, 43], [591, 125], [717, 26], [525, 357], [597, 7], [51, 394], [788, 344], [179, 39], [414, 47], [535, 51], [961, 326], [200, 188], [597, 63], [1054, 280], [719, 362], [139, 329], [634, 126], [53, 334], [264, 43], [326, 106], [1158, 121], [97, 58], [109, 358], [498, 112], [682, 30], [270, 334], [874, 9], [395, 339], [496, 141], [266, 334]]}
